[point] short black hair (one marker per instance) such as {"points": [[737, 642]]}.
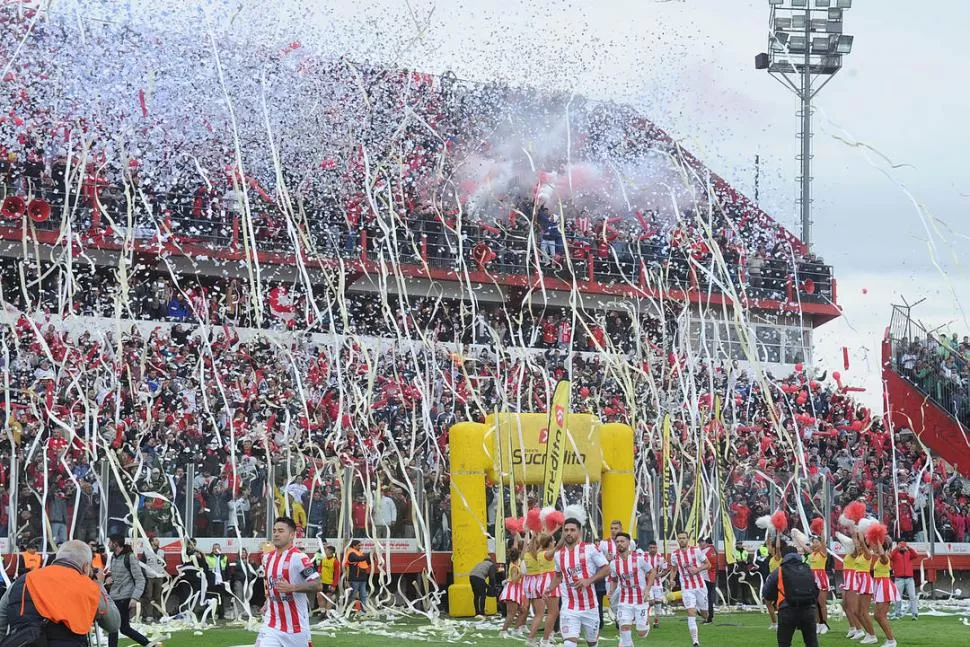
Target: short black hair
{"points": [[287, 521], [574, 521], [788, 549], [117, 538], [625, 534], [651, 543]]}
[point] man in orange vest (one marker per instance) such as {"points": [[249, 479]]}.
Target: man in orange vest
{"points": [[63, 594], [357, 564]]}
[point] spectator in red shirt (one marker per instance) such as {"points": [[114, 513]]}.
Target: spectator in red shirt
{"points": [[902, 560], [740, 518]]}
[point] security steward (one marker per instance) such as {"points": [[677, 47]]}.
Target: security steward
{"points": [[791, 587], [64, 595]]}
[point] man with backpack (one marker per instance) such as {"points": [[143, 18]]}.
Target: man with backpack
{"points": [[57, 605], [127, 584], [793, 589]]}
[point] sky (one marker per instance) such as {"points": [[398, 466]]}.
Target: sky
{"points": [[891, 190]]}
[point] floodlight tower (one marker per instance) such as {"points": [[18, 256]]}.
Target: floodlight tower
{"points": [[805, 50]]}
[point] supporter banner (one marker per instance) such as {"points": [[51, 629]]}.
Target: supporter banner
{"points": [[556, 444]]}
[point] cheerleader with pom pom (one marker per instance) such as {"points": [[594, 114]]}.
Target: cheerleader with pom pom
{"points": [[817, 560], [540, 569], [886, 593], [863, 584]]}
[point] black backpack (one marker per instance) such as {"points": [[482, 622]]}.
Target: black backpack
{"points": [[799, 584]]}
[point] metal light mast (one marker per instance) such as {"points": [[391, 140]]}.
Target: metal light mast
{"points": [[805, 50]]}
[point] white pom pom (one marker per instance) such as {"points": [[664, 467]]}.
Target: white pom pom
{"points": [[846, 542], [545, 513], [845, 522], [865, 524], [576, 512], [800, 540], [764, 522]]}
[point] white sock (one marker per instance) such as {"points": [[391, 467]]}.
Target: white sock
{"points": [[692, 625], [626, 638], [566, 642]]}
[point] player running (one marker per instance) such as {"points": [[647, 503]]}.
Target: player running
{"points": [[578, 567], [632, 578], [690, 562], [660, 569], [290, 576]]}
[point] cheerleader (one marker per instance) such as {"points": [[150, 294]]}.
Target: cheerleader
{"points": [[774, 549], [848, 590], [886, 592], [540, 569], [863, 588], [817, 559], [512, 594]]}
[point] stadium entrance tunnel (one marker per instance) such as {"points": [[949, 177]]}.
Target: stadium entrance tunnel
{"points": [[510, 448]]}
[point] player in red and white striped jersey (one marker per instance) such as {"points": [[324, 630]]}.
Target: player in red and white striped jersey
{"points": [[290, 576], [632, 578], [608, 548], [659, 566], [578, 567], [690, 562]]}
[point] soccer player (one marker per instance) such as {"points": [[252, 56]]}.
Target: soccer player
{"points": [[659, 567], [578, 567], [632, 577], [690, 563], [290, 576], [608, 548]]}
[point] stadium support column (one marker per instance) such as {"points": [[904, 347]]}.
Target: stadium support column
{"points": [[469, 462], [619, 488], [806, 136], [190, 500]]}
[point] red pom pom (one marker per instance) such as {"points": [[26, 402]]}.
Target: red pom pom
{"points": [[514, 525], [532, 520], [855, 511], [876, 534], [818, 526], [780, 521], [554, 520]]}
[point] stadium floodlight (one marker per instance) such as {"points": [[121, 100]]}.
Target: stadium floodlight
{"points": [[845, 44], [806, 47], [821, 45]]}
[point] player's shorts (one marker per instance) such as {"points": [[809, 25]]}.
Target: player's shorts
{"points": [[269, 637], [821, 579], [863, 583], [695, 599], [571, 622], [629, 614], [885, 590], [657, 593], [848, 580]]}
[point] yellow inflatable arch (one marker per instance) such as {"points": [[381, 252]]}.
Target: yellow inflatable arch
{"points": [[511, 448]]}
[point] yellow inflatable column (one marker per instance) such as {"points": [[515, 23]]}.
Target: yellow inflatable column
{"points": [[469, 462], [619, 487]]}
